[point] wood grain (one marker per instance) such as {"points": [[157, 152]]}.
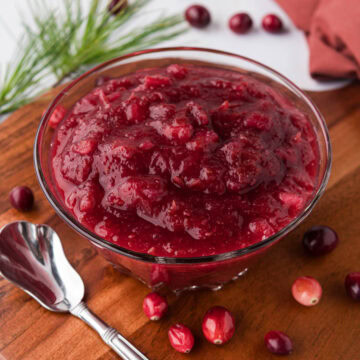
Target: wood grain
{"points": [[261, 300]]}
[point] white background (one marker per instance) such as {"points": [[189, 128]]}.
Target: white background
{"points": [[287, 52]]}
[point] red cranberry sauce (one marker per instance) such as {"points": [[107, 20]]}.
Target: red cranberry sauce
{"points": [[185, 161]]}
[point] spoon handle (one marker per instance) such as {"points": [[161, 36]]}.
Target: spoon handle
{"points": [[110, 336]]}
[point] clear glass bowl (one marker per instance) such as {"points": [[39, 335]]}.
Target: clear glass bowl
{"points": [[178, 274]]}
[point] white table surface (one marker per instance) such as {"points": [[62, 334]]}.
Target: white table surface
{"points": [[286, 53]]}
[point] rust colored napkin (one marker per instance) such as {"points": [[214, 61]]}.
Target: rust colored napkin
{"points": [[333, 33]]}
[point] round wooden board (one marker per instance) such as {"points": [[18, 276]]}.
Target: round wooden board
{"points": [[261, 300]]}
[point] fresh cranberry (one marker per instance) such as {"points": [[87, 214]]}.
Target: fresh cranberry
{"points": [[22, 198], [240, 23], [320, 240], [352, 285], [181, 338], [306, 291], [155, 306], [278, 343], [198, 16], [272, 23], [218, 325], [116, 6]]}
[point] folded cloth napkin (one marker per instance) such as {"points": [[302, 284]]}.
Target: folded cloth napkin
{"points": [[333, 32]]}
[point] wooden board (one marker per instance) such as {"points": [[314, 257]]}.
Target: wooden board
{"points": [[261, 300]]}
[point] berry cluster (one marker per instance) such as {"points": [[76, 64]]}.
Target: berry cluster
{"points": [[218, 325], [199, 16], [307, 291]]}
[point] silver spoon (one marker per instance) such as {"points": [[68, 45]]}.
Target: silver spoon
{"points": [[32, 258]]}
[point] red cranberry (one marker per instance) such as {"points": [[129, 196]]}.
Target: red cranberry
{"points": [[352, 285], [278, 343], [306, 291], [181, 338], [320, 240], [21, 198], [218, 325], [198, 16], [240, 23], [154, 306], [272, 23], [116, 6]]}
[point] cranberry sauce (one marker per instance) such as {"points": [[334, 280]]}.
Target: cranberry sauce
{"points": [[185, 161]]}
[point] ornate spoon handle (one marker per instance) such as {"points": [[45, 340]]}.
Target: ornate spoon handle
{"points": [[110, 336]]}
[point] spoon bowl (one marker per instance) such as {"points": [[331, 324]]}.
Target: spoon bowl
{"points": [[32, 258]]}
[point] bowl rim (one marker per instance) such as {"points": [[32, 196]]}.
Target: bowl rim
{"points": [[100, 242]]}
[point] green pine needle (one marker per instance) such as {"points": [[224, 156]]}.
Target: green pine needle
{"points": [[67, 41]]}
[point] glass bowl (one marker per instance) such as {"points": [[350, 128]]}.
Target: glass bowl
{"points": [[176, 273]]}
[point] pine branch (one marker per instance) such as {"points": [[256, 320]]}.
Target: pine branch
{"points": [[64, 42]]}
